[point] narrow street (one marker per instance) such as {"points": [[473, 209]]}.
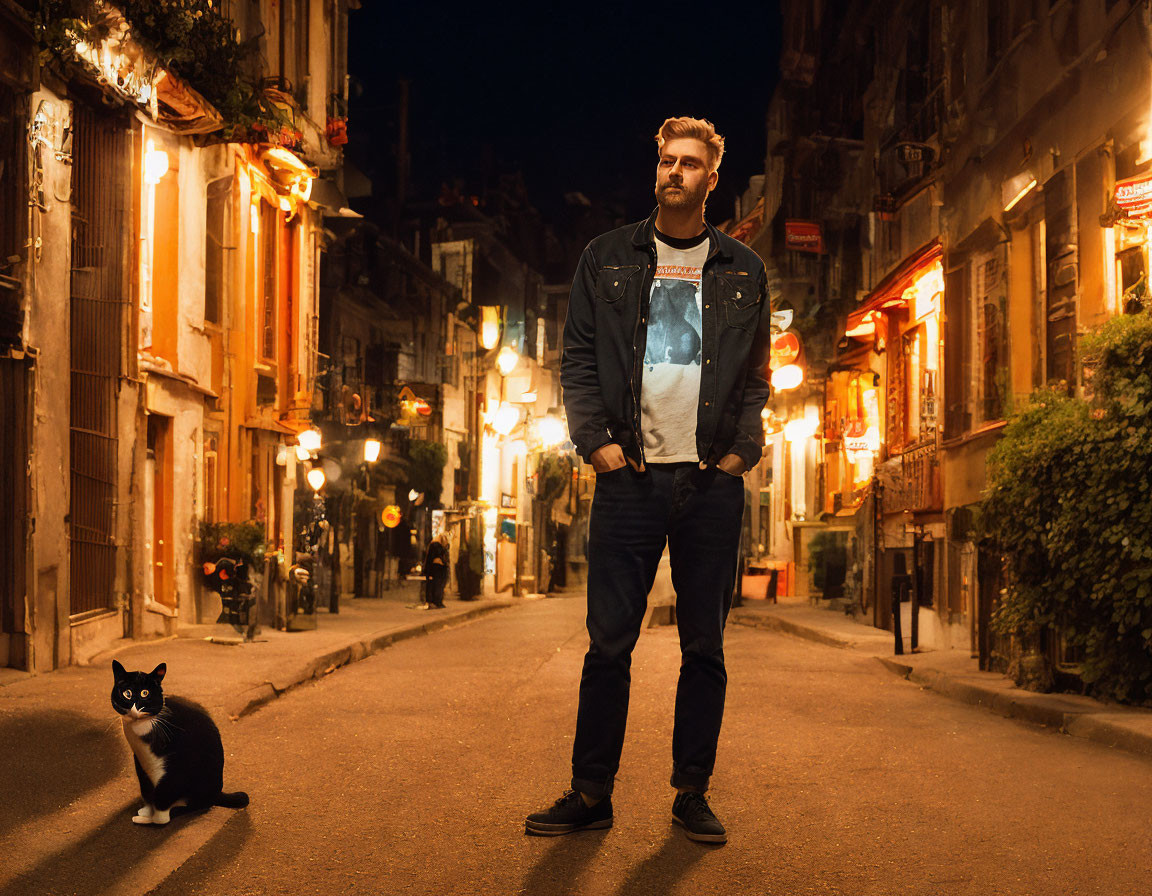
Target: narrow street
{"points": [[411, 772]]}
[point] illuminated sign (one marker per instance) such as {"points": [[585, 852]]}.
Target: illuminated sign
{"points": [[390, 516], [1134, 195], [803, 236], [785, 350]]}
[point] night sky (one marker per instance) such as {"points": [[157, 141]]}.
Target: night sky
{"points": [[568, 95]]}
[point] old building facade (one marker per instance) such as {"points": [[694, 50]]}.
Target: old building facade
{"points": [[958, 166], [160, 317]]}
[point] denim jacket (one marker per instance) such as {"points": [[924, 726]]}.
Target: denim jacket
{"points": [[605, 334]]}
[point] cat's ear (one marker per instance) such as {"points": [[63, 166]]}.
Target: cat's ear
{"points": [[118, 670], [159, 671]]}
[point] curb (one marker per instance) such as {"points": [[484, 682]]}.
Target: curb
{"points": [[1067, 714], [1054, 711], [777, 624], [331, 660]]}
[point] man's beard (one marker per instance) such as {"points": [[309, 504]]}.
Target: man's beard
{"points": [[681, 198]]}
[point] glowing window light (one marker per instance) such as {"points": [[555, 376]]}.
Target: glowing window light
{"points": [[800, 429], [371, 450], [490, 327], [155, 164], [787, 377], [925, 292]]}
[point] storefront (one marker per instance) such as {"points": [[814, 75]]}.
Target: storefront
{"points": [[882, 434]]}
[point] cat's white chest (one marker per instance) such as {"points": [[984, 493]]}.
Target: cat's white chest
{"points": [[152, 764]]}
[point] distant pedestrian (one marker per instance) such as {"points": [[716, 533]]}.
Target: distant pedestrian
{"points": [[665, 344], [436, 570]]}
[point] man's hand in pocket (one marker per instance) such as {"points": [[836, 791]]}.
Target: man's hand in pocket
{"points": [[607, 458]]}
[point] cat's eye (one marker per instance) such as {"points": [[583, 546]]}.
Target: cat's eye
{"points": [[143, 693], [127, 695]]}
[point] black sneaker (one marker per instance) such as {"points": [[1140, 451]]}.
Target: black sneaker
{"points": [[568, 814], [691, 810]]}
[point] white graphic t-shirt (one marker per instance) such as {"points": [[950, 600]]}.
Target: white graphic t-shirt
{"points": [[670, 388]]}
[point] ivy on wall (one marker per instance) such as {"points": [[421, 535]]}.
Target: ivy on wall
{"points": [[1069, 505]]}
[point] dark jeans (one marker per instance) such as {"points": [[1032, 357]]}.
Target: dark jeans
{"points": [[698, 512]]}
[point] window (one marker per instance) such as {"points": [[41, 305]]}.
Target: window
{"points": [[1060, 255], [990, 350], [211, 448], [216, 229], [269, 228]]}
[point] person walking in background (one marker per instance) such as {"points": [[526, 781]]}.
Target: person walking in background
{"points": [[665, 344], [436, 570]]}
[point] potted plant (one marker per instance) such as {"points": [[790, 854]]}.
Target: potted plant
{"points": [[231, 566]]}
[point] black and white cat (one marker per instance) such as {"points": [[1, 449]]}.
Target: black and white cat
{"points": [[179, 757]]}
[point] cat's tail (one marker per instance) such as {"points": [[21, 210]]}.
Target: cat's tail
{"points": [[237, 800]]}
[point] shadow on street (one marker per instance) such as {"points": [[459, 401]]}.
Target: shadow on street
{"points": [[563, 860], [51, 759], [103, 857]]}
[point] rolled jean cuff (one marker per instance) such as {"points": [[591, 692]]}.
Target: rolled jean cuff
{"points": [[697, 781], [595, 788]]}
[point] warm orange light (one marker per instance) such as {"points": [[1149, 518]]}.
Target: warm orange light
{"points": [[787, 377]]}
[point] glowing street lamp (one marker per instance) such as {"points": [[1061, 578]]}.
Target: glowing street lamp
{"points": [[787, 377], [316, 478], [505, 418], [371, 450], [309, 440], [507, 360], [552, 431]]}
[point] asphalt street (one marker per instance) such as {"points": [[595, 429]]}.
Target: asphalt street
{"points": [[412, 771]]}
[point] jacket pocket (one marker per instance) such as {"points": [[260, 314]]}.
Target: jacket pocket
{"points": [[612, 282], [740, 298]]}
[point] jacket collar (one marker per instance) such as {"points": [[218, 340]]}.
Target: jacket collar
{"points": [[644, 237]]}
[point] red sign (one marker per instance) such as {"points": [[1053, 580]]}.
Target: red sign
{"points": [[803, 236], [785, 350], [1134, 195]]}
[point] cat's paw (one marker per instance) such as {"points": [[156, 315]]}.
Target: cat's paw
{"points": [[160, 817], [144, 811], [142, 819]]}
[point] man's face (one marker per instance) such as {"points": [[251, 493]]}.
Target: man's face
{"points": [[683, 180]]}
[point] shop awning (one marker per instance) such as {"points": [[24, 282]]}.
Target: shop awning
{"points": [[889, 293]]}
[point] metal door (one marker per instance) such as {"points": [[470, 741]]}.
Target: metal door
{"points": [[99, 289]]}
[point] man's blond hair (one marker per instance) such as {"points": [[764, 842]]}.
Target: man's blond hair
{"points": [[698, 128]]}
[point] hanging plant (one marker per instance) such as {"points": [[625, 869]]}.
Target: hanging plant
{"points": [[190, 38]]}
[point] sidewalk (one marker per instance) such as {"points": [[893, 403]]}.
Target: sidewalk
{"points": [[213, 665], [66, 770], [956, 674]]}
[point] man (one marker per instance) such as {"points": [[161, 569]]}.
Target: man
{"points": [[664, 347]]}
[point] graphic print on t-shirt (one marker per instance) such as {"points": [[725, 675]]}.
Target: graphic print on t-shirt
{"points": [[674, 317], [670, 388]]}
